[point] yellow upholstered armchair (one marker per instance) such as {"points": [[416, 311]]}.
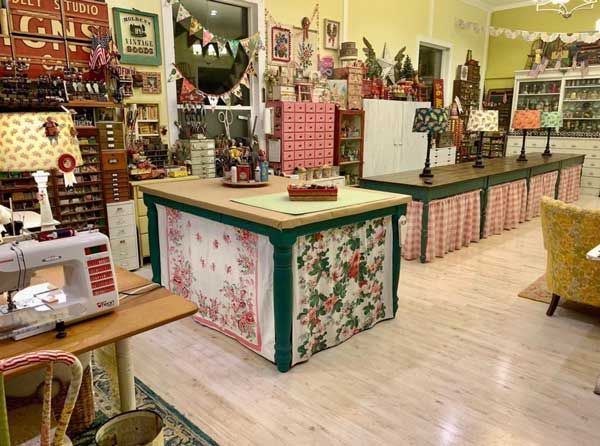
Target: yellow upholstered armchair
{"points": [[570, 232]]}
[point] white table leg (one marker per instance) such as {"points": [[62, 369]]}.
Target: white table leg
{"points": [[125, 374]]}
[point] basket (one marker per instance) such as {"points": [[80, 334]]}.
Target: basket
{"points": [[134, 428]]}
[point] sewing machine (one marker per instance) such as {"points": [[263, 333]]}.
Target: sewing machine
{"points": [[90, 287]]}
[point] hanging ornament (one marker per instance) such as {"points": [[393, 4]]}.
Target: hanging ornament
{"points": [[67, 164], [234, 45], [305, 26], [207, 37]]}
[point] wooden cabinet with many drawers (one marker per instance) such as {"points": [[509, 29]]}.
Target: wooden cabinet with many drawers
{"points": [[141, 212], [590, 184], [123, 234]]}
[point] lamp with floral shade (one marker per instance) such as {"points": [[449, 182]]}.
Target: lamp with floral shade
{"points": [[430, 121], [482, 121], [549, 121], [526, 120]]}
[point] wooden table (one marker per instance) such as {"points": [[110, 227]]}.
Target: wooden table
{"points": [[460, 178], [134, 315], [207, 201]]}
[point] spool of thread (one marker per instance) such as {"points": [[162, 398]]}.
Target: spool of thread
{"points": [[234, 177]]}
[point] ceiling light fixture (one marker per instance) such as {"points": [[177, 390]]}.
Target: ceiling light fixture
{"points": [[213, 12], [560, 6]]}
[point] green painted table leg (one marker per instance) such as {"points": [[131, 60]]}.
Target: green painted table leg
{"points": [[557, 188], [396, 255], [4, 432], [283, 294], [483, 204], [424, 231], [154, 241]]}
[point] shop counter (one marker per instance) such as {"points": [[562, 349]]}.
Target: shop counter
{"points": [[284, 284], [462, 204]]}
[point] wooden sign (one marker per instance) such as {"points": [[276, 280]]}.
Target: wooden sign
{"points": [[25, 23], [92, 11], [46, 54], [138, 37], [438, 93]]}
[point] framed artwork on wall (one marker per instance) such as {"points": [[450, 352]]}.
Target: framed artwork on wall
{"points": [[332, 35], [280, 45], [151, 83], [138, 36]]}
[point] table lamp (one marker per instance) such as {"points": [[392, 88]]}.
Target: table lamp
{"points": [[526, 120], [482, 121], [37, 142], [549, 121], [430, 121]]}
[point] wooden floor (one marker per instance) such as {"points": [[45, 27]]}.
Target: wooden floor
{"points": [[466, 362]]}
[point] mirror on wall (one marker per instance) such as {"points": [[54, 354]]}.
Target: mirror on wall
{"points": [[214, 71]]}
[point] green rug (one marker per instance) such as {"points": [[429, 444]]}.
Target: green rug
{"points": [[179, 431]]}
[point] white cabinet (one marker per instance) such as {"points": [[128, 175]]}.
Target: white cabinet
{"points": [[390, 144], [123, 234], [443, 156]]}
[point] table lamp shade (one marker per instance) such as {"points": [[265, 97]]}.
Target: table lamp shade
{"points": [[38, 141], [483, 121], [432, 120], [552, 120], [527, 119]]}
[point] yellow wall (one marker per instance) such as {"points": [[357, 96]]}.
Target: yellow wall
{"points": [[506, 55], [161, 99]]}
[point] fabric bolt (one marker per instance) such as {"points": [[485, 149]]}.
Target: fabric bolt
{"points": [[540, 186], [411, 248], [506, 207], [454, 222], [569, 187], [342, 284]]}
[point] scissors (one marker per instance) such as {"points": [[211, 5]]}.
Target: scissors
{"points": [[225, 117]]}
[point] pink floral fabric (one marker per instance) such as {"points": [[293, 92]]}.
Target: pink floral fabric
{"points": [[411, 248], [506, 207], [540, 186], [224, 270], [343, 280], [569, 187]]}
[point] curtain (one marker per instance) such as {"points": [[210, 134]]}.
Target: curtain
{"points": [[569, 188], [540, 186], [506, 207]]}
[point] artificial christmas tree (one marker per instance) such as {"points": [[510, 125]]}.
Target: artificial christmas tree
{"points": [[408, 72]]}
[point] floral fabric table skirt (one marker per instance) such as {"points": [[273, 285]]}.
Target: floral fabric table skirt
{"points": [[342, 280], [569, 188], [506, 207], [543, 185], [454, 222]]}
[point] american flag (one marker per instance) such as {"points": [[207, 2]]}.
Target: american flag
{"points": [[100, 55]]}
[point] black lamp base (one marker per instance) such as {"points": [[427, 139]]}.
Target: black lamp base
{"points": [[547, 153], [426, 173], [427, 169], [479, 161], [522, 157]]}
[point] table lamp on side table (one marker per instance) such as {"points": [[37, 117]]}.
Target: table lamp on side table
{"points": [[37, 142], [526, 120], [482, 121], [549, 121], [430, 121]]}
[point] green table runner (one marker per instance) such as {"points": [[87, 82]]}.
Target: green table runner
{"points": [[281, 202]]}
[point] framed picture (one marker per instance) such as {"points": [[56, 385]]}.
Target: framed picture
{"points": [[280, 48], [305, 53], [151, 83], [332, 34], [138, 36]]}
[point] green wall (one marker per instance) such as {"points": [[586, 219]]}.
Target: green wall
{"points": [[506, 56]]}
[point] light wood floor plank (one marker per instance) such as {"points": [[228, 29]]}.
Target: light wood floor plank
{"points": [[466, 362]]}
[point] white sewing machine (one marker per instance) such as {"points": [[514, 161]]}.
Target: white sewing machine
{"points": [[90, 287]]}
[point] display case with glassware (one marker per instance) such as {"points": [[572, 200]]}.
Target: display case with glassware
{"points": [[577, 95]]}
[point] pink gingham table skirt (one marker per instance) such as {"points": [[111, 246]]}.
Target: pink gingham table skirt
{"points": [[506, 207], [454, 222], [540, 186], [569, 187]]}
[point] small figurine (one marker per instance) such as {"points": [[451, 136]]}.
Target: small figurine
{"points": [[52, 129]]}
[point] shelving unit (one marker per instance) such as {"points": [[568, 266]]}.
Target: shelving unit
{"points": [[22, 188], [349, 144], [147, 122]]}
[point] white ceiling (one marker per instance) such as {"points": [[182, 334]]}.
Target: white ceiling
{"points": [[497, 5]]}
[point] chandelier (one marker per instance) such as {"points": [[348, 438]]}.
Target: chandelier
{"points": [[561, 7]]}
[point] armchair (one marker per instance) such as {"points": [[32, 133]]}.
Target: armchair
{"points": [[569, 233]]}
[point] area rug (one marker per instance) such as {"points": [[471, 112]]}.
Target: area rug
{"points": [[179, 431], [537, 291]]}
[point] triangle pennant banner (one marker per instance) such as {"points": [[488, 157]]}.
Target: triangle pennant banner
{"points": [[195, 26], [234, 45], [213, 100], [244, 81], [182, 14], [207, 37], [174, 74], [237, 91]]}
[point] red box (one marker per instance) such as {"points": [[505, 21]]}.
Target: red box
{"points": [[329, 135], [310, 154], [301, 136], [330, 127], [319, 153], [330, 117], [310, 107], [319, 135], [319, 144], [289, 117], [330, 108], [300, 117], [328, 153], [299, 107], [309, 145], [288, 106], [320, 117], [299, 145], [309, 127], [309, 136], [320, 127], [288, 156], [309, 163], [299, 154], [299, 127], [320, 108]]}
